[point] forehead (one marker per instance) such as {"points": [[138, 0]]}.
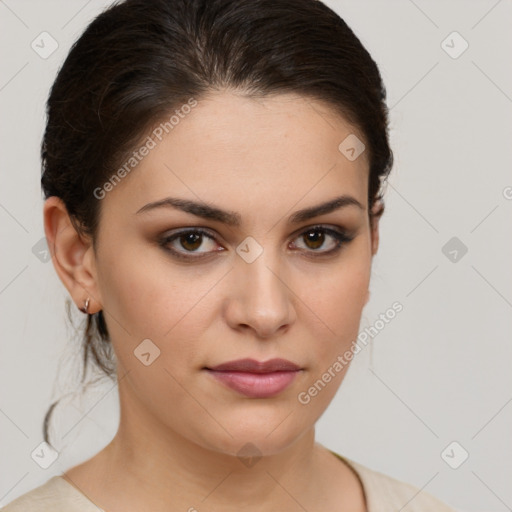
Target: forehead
{"points": [[245, 151]]}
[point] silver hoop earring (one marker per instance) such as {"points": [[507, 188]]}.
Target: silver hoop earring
{"points": [[86, 306]]}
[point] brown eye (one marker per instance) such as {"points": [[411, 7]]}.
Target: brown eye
{"points": [[191, 241], [314, 239], [319, 236], [186, 244]]}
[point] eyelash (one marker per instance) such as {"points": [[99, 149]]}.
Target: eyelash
{"points": [[341, 238]]}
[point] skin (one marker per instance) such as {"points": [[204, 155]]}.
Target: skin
{"points": [[180, 430]]}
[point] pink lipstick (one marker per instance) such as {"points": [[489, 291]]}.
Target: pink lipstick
{"points": [[256, 379]]}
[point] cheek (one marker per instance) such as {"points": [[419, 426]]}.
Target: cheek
{"points": [[171, 305], [338, 302], [149, 295], [154, 301], [340, 295], [339, 305]]}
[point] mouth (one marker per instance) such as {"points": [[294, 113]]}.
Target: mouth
{"points": [[256, 379]]}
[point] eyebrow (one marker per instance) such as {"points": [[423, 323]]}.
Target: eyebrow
{"points": [[231, 218]]}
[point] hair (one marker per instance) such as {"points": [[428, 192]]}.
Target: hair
{"points": [[140, 59]]}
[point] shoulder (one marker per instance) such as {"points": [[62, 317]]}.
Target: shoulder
{"points": [[56, 495], [383, 490]]}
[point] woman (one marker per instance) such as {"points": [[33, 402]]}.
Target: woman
{"points": [[212, 173]]}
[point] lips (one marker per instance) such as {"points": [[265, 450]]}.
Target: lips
{"points": [[253, 366], [256, 379]]}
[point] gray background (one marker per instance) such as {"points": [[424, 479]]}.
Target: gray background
{"points": [[439, 372]]}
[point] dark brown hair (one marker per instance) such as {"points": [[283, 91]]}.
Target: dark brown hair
{"points": [[141, 59]]}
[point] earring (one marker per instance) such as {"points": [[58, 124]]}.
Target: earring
{"points": [[86, 306]]}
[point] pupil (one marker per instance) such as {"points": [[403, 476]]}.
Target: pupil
{"points": [[191, 238], [316, 237]]}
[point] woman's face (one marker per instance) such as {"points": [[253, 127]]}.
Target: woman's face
{"points": [[206, 299]]}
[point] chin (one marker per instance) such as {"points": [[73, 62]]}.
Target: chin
{"points": [[251, 440]]}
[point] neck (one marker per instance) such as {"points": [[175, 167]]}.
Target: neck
{"points": [[148, 460]]}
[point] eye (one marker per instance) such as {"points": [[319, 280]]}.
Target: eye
{"points": [[189, 241], [317, 237]]}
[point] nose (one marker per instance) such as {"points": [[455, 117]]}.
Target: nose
{"points": [[260, 297]]}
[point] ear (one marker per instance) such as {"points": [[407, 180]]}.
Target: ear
{"points": [[377, 211], [72, 255]]}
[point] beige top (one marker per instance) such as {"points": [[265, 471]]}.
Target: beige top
{"points": [[383, 494]]}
